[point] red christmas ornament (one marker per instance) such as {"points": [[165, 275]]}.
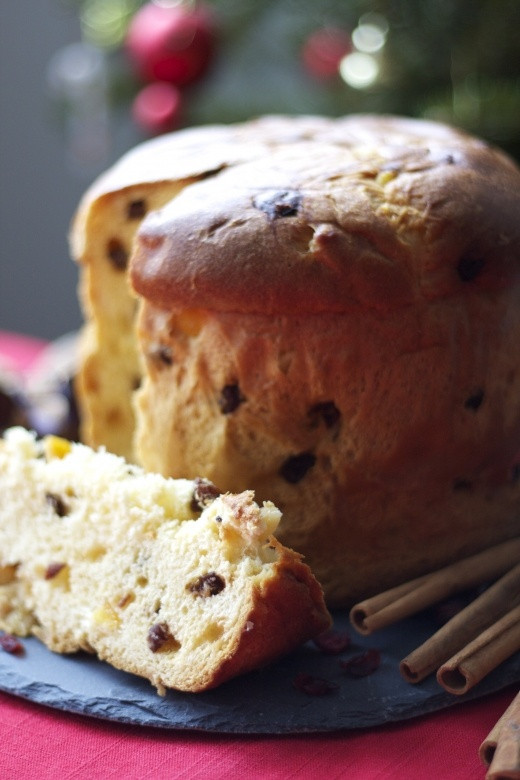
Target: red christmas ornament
{"points": [[171, 43], [156, 108], [323, 51]]}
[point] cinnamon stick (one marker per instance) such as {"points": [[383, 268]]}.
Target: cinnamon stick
{"points": [[411, 597], [463, 628], [500, 751], [471, 664]]}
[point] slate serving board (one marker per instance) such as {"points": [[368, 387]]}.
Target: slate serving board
{"points": [[262, 702]]}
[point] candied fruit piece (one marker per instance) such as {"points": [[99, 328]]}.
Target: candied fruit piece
{"points": [[56, 447], [190, 321], [8, 573], [106, 616], [386, 176]]}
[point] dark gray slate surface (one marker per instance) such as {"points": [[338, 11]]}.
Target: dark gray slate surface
{"points": [[262, 702]]}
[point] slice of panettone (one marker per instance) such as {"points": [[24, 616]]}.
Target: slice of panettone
{"points": [[163, 578]]}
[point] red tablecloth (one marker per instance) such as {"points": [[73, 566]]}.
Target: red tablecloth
{"points": [[36, 742], [41, 743]]}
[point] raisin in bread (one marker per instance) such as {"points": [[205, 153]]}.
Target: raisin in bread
{"points": [[335, 326], [165, 579], [101, 241]]}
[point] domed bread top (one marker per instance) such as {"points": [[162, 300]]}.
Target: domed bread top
{"points": [[194, 153], [374, 211]]}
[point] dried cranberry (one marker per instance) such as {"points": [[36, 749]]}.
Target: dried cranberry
{"points": [[327, 411], [136, 209], [11, 644], [117, 254], [210, 584], [363, 664], [279, 203], [53, 569], [204, 493], [295, 468], [474, 400], [469, 267], [314, 686], [57, 503], [462, 484], [230, 398], [162, 354], [332, 642], [158, 635]]}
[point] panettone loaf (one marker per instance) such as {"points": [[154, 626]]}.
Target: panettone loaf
{"points": [[163, 578], [334, 324]]}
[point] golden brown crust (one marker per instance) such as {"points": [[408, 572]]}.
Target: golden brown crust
{"points": [[277, 622], [378, 216]]}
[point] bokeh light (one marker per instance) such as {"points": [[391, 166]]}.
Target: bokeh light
{"points": [[359, 70]]}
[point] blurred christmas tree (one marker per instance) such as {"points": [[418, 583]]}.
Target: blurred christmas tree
{"points": [[228, 60]]}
